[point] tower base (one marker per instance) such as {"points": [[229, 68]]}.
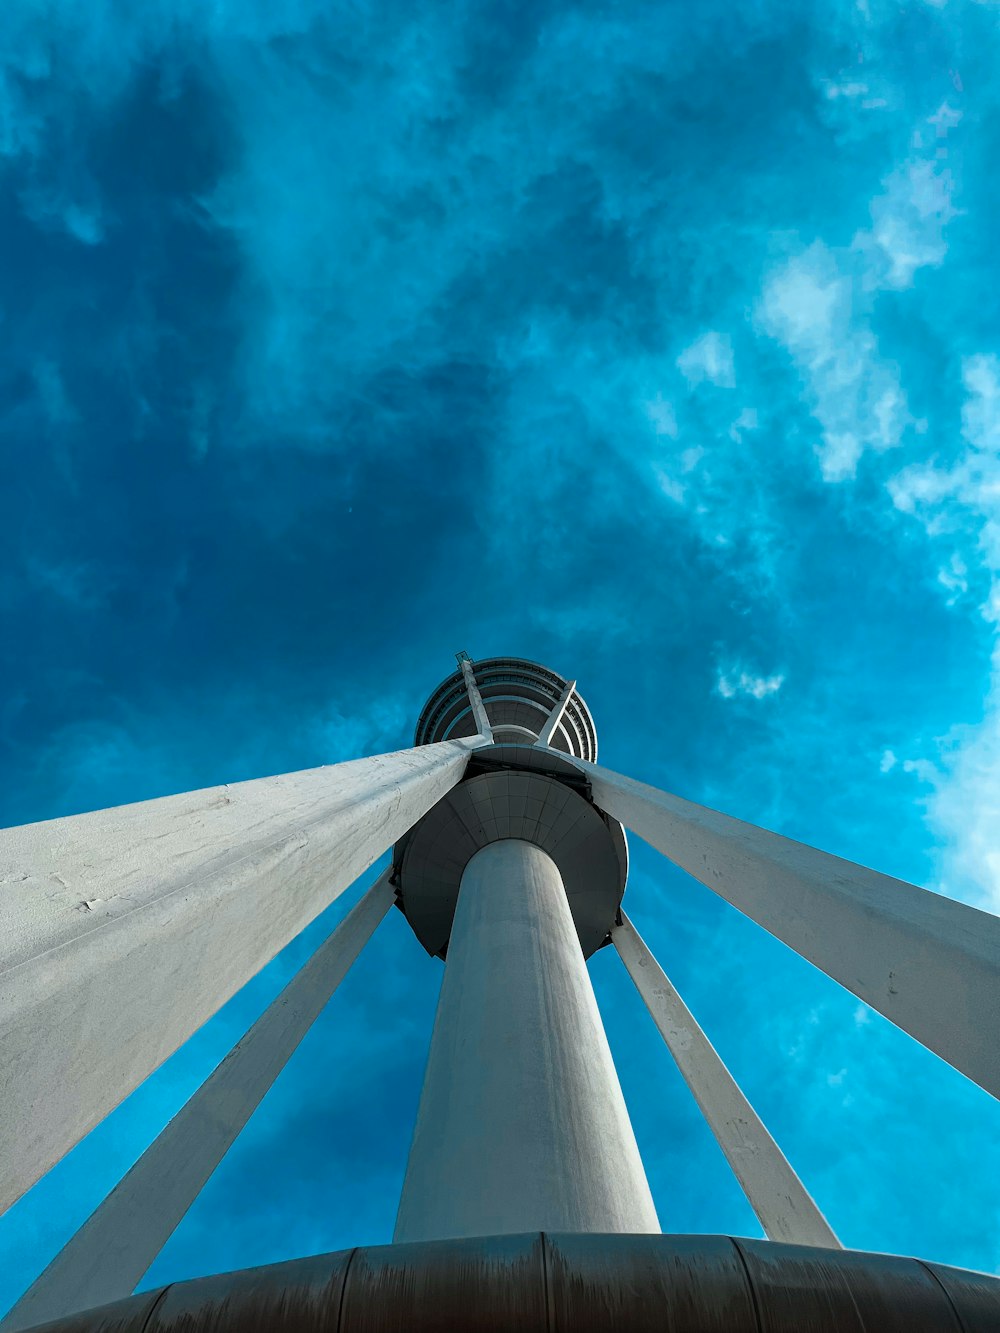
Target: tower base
{"points": [[541, 1283]]}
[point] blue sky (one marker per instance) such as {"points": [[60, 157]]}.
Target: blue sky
{"points": [[654, 341]]}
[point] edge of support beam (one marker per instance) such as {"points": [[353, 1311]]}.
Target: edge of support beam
{"points": [[126, 929], [555, 717], [476, 700], [782, 1203], [930, 964], [106, 1259]]}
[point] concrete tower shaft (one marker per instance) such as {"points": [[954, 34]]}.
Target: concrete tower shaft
{"points": [[522, 1124], [516, 878], [523, 701]]}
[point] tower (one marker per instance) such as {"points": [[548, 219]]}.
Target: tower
{"points": [[516, 877], [525, 1203]]}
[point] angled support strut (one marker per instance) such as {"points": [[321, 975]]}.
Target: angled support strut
{"points": [[929, 964], [555, 717], [126, 929], [107, 1257], [782, 1204], [476, 700]]}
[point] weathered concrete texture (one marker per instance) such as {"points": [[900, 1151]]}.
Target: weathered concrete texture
{"points": [[775, 1193], [522, 1124], [108, 1256], [929, 964], [125, 929]]}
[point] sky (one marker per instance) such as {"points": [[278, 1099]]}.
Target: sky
{"points": [[654, 341]]}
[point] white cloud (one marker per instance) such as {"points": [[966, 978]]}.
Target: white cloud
{"points": [[734, 683], [981, 411], [945, 118], [923, 770], [963, 805], [953, 576], [910, 216], [966, 807], [909, 220], [709, 359], [962, 500], [670, 486], [849, 89], [808, 305], [817, 305], [803, 302], [888, 762], [746, 421], [661, 415], [965, 496]]}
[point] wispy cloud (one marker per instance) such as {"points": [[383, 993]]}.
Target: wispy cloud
{"points": [[810, 306], [909, 221], [734, 683], [962, 497], [958, 502], [709, 360]]}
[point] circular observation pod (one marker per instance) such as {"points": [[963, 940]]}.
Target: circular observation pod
{"points": [[519, 697]]}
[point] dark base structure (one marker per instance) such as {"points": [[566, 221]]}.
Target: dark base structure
{"points": [[543, 1283]]}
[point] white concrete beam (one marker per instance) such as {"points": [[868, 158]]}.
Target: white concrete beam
{"points": [[108, 1256], [782, 1204], [929, 964], [476, 700], [555, 717], [125, 929]]}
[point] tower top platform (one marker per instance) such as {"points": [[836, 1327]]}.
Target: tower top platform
{"points": [[519, 697], [523, 784]]}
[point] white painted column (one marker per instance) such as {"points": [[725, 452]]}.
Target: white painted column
{"points": [[782, 1204], [929, 964], [125, 929], [522, 1125], [108, 1256], [479, 714]]}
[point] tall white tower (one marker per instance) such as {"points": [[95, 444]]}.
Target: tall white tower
{"points": [[516, 878], [525, 1204]]}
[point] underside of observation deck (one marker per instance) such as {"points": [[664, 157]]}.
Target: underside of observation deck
{"points": [[513, 791]]}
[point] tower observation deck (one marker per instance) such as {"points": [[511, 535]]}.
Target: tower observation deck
{"points": [[522, 700], [525, 1203]]}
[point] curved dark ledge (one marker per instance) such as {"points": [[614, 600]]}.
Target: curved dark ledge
{"points": [[546, 1283]]}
